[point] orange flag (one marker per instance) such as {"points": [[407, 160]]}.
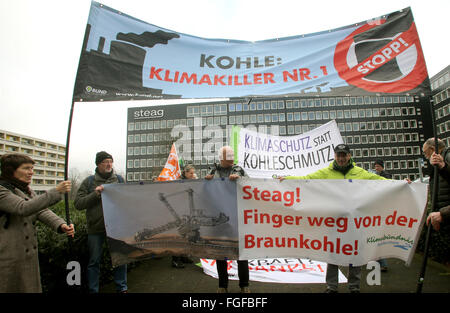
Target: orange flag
{"points": [[171, 170]]}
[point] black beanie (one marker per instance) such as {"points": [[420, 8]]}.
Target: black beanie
{"points": [[380, 162], [102, 155]]}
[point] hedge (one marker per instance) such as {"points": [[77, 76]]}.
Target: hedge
{"points": [[55, 252]]}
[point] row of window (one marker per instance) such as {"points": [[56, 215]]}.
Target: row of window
{"points": [[149, 150], [441, 96], [155, 124], [51, 182], [149, 137], [206, 110], [30, 142], [379, 125], [290, 117], [386, 152], [209, 157], [390, 165], [257, 105], [31, 152], [442, 80], [292, 129], [383, 138]]}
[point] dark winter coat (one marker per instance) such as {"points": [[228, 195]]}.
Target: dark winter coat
{"points": [[87, 199], [219, 171], [443, 198]]}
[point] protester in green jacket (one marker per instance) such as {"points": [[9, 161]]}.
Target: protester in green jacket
{"points": [[343, 167]]}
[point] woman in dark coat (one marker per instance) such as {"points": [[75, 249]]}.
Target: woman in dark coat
{"points": [[20, 208]]}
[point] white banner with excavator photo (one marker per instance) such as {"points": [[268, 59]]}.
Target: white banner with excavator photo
{"points": [[334, 221]]}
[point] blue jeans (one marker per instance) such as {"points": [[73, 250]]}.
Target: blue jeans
{"points": [[95, 245], [383, 262]]}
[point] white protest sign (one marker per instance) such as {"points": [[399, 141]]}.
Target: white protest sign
{"points": [[335, 221], [263, 156]]}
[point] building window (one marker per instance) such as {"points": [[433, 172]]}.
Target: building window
{"points": [[290, 117]]}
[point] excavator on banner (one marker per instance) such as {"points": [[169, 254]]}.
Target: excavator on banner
{"points": [[188, 226]]}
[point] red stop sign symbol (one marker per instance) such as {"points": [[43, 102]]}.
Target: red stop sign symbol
{"points": [[392, 65]]}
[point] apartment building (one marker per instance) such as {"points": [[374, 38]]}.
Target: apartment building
{"points": [[49, 157]]}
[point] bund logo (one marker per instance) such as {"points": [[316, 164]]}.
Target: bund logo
{"points": [[90, 89], [391, 64]]}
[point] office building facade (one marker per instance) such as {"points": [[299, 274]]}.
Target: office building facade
{"points": [[440, 86], [49, 157], [388, 127]]}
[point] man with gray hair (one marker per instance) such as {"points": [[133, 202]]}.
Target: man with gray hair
{"points": [[227, 168]]}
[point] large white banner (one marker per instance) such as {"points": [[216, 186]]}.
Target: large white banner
{"points": [[285, 271], [263, 156], [336, 221]]}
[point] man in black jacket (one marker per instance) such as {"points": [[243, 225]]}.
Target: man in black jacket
{"points": [[89, 198], [379, 168]]}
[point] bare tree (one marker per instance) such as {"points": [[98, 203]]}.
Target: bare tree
{"points": [[76, 178]]}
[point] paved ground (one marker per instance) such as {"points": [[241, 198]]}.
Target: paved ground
{"points": [[157, 276]]}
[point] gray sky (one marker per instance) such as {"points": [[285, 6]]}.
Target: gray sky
{"points": [[41, 45]]}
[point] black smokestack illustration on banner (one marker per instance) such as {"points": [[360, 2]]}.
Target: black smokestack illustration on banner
{"points": [[118, 75]]}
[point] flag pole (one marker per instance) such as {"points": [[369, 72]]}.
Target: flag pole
{"points": [[434, 196], [69, 129], [66, 168]]}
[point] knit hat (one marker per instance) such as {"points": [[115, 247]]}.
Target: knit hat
{"points": [[379, 162], [102, 155]]}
